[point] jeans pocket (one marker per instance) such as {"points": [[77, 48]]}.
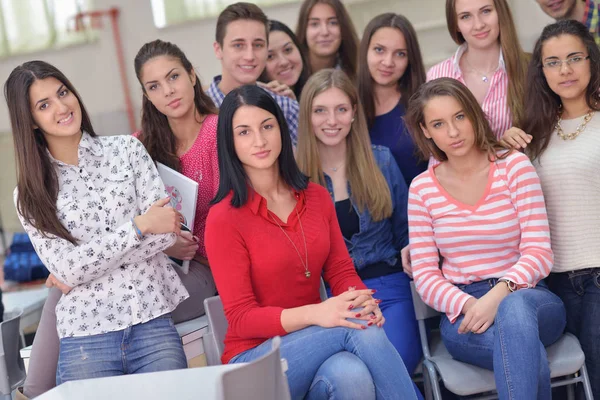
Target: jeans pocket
{"points": [[597, 278]]}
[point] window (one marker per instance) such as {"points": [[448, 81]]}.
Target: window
{"points": [[33, 25], [172, 12]]}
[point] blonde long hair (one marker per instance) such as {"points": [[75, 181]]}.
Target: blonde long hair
{"points": [[515, 59], [369, 187]]}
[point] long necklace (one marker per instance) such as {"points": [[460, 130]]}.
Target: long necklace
{"points": [[304, 262], [580, 128]]}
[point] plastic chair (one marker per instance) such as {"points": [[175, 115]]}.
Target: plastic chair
{"points": [[565, 357], [12, 368], [262, 379]]}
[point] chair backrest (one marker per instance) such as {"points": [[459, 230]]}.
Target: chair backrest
{"points": [[261, 379], [12, 368], [422, 310], [217, 327], [323, 291]]}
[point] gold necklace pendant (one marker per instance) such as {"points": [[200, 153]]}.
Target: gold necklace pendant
{"points": [[578, 131]]}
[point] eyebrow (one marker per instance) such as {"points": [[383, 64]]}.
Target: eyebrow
{"points": [[568, 56], [248, 126], [45, 99], [318, 19], [469, 12], [241, 40], [384, 46], [440, 119], [168, 73]]}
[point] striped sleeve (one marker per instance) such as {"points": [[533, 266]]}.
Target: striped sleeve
{"points": [[441, 70], [435, 290], [536, 258]]}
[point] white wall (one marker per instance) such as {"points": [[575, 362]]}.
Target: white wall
{"points": [[93, 67]]}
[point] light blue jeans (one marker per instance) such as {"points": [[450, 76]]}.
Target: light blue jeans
{"points": [[340, 363], [149, 347], [527, 321]]}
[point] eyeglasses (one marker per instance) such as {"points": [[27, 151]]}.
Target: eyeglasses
{"points": [[557, 64]]}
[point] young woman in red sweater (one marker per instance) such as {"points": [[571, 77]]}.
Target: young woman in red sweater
{"points": [[270, 237]]}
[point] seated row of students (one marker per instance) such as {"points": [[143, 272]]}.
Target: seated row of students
{"points": [[392, 56]]}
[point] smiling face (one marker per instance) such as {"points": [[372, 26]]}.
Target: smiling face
{"points": [[448, 126], [387, 57], [558, 9], [284, 62], [55, 109], [567, 81], [256, 138], [243, 54], [323, 34], [477, 21], [168, 86], [332, 115]]}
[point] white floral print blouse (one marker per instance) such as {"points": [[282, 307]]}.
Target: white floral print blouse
{"points": [[118, 280]]}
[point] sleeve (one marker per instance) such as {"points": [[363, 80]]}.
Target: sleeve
{"points": [[76, 264], [399, 193], [230, 264], [431, 73], [537, 258], [435, 290], [291, 110], [338, 270]]}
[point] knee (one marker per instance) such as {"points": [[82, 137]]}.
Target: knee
{"points": [[344, 376], [515, 309]]}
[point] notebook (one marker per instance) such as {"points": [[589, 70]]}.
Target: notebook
{"points": [[184, 195]]}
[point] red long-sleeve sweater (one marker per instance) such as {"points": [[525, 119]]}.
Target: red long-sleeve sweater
{"points": [[259, 273]]}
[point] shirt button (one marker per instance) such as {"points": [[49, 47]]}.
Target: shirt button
{"points": [[122, 267], [130, 287], [91, 188], [99, 207], [80, 170], [107, 229]]}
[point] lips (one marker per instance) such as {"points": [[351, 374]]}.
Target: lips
{"points": [[262, 154], [331, 131], [247, 68], [457, 144], [175, 103], [482, 35], [286, 72], [67, 120], [568, 83], [385, 74]]}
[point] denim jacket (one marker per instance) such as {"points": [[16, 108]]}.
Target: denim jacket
{"points": [[383, 240]]}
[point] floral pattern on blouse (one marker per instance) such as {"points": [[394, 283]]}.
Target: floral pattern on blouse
{"points": [[118, 280]]}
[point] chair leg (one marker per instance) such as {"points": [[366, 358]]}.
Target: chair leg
{"points": [[587, 387], [571, 392], [433, 380]]}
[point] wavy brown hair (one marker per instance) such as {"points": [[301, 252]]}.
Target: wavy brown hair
{"points": [[515, 59], [485, 140], [156, 134], [542, 105], [369, 187], [413, 77], [348, 51], [37, 182]]}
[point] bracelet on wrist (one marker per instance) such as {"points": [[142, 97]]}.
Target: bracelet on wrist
{"points": [[512, 287], [137, 230]]}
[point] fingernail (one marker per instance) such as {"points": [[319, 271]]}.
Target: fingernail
{"points": [[373, 316], [350, 307], [378, 301], [370, 323], [363, 327], [373, 290], [357, 315]]}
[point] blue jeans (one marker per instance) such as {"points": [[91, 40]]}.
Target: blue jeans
{"points": [[580, 291], [401, 325], [149, 347], [340, 363], [527, 321]]}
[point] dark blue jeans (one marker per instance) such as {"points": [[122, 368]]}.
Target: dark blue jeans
{"points": [[149, 347], [580, 291], [527, 321]]}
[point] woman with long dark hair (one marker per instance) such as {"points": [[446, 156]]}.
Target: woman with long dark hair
{"points": [[562, 117], [270, 237], [95, 210], [326, 32], [287, 68]]}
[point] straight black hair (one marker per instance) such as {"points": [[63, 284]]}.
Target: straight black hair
{"points": [[232, 176]]}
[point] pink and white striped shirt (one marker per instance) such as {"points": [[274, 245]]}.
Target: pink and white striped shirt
{"points": [[495, 103], [504, 235]]}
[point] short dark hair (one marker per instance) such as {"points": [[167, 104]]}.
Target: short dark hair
{"points": [[232, 176], [237, 11]]}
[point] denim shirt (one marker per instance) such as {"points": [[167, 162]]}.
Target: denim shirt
{"points": [[382, 240]]}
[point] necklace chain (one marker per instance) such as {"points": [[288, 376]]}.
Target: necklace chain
{"points": [[580, 127], [483, 76], [303, 262]]}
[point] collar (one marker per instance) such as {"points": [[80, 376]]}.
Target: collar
{"points": [[461, 50], [258, 204], [215, 91], [93, 144]]}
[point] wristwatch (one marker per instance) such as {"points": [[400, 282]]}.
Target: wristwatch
{"points": [[510, 284]]}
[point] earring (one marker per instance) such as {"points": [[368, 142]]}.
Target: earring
{"points": [[352, 120]]}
